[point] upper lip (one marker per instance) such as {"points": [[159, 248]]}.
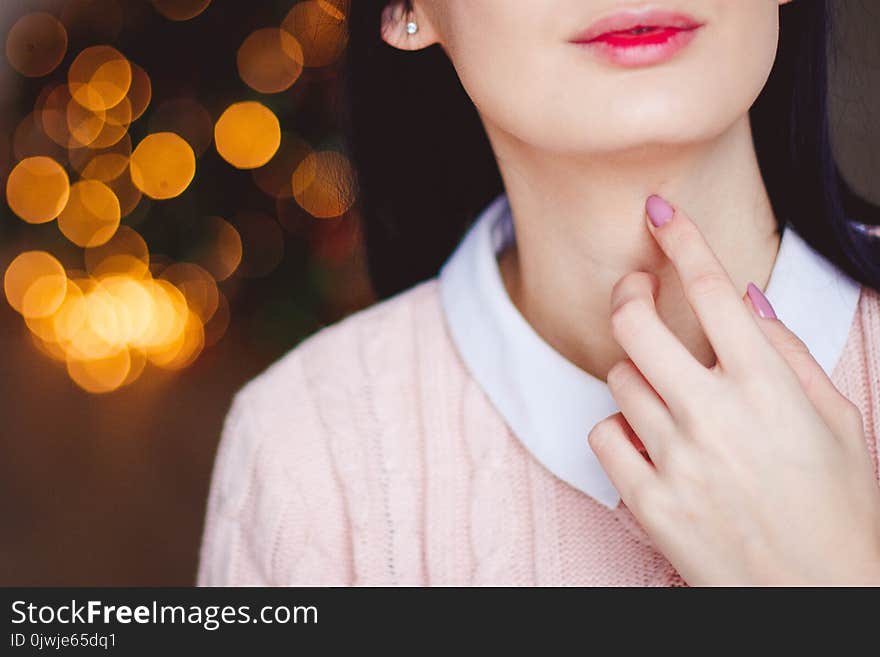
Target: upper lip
{"points": [[630, 19]]}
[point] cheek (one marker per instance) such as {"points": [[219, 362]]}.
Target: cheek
{"points": [[556, 97]]}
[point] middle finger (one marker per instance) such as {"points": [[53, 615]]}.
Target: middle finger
{"points": [[659, 355]]}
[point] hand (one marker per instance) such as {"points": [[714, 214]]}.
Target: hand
{"points": [[758, 470]]}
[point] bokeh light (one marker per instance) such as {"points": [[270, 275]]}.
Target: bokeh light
{"points": [[180, 10], [105, 324], [323, 184], [124, 253], [162, 165], [247, 135], [197, 285], [99, 78], [129, 196], [52, 109], [100, 374], [37, 189], [140, 92], [114, 125], [70, 155], [217, 247], [35, 284], [36, 44], [319, 28], [92, 214], [101, 163], [83, 125], [270, 60]]}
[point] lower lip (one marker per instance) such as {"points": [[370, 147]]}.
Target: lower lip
{"points": [[632, 50]]}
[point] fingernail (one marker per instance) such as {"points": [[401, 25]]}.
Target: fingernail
{"points": [[760, 302], [659, 211]]}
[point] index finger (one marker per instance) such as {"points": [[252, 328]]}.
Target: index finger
{"points": [[707, 286]]}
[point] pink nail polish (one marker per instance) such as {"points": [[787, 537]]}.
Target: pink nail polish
{"points": [[760, 302], [659, 211]]}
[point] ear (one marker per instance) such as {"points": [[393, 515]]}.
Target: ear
{"points": [[395, 17]]}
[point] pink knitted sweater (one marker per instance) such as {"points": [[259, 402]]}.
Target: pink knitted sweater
{"points": [[367, 455]]}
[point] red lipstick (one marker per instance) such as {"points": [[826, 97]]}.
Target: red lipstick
{"points": [[638, 38]]}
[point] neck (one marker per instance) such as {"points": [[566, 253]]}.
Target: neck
{"points": [[580, 226]]}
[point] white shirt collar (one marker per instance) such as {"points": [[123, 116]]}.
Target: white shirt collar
{"points": [[548, 402]]}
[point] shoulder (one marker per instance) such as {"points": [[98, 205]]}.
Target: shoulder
{"points": [[866, 328], [870, 302], [292, 444], [372, 343]]}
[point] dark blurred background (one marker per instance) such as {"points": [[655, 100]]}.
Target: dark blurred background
{"points": [[105, 463], [109, 487]]}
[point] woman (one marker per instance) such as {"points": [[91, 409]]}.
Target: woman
{"points": [[593, 389]]}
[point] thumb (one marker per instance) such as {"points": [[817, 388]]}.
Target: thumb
{"points": [[821, 391]]}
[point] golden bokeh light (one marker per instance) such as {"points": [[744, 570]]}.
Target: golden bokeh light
{"points": [[133, 305], [320, 29], [125, 253], [44, 296], [138, 363], [51, 328], [185, 348], [101, 163], [51, 108], [105, 327], [36, 44], [95, 337], [35, 284], [140, 92], [37, 189], [130, 197], [163, 165], [92, 214], [270, 60], [80, 157], [114, 125], [71, 315], [338, 9], [247, 135], [106, 324], [101, 374], [180, 10], [51, 349], [105, 167], [323, 184], [68, 123], [99, 78], [197, 285], [83, 125], [169, 319]]}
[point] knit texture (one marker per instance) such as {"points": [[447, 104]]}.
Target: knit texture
{"points": [[367, 455]]}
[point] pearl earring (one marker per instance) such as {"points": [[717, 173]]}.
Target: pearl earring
{"points": [[411, 27]]}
